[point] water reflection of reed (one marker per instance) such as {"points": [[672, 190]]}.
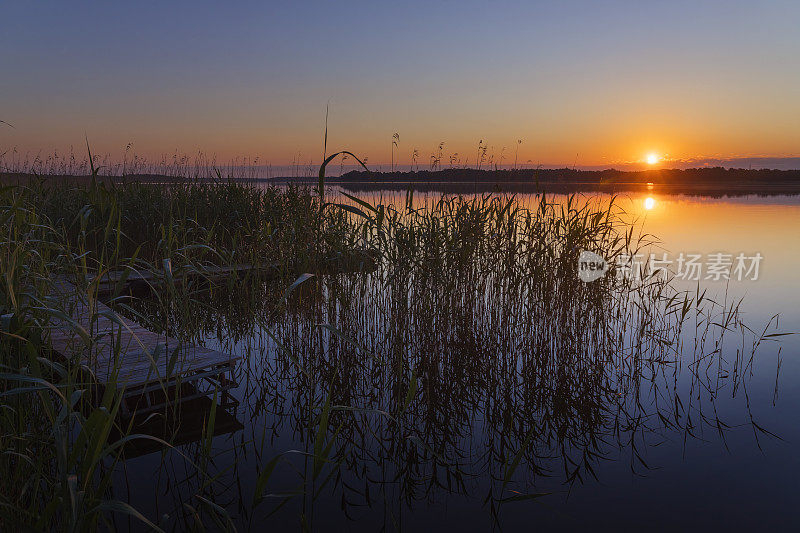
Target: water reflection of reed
{"points": [[473, 361]]}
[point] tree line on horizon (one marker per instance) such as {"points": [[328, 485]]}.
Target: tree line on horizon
{"points": [[678, 176]]}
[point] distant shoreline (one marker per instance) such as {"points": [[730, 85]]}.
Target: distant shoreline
{"points": [[575, 187], [700, 181]]}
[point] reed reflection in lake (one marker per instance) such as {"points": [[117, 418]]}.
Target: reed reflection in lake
{"points": [[474, 371]]}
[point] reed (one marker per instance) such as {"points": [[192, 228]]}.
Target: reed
{"points": [[474, 322], [56, 432]]}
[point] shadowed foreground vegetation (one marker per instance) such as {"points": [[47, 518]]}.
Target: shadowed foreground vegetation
{"points": [[474, 323]]}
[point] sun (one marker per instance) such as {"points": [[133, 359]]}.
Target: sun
{"points": [[652, 159], [649, 203]]}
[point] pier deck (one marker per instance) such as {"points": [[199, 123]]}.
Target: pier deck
{"points": [[130, 356]]}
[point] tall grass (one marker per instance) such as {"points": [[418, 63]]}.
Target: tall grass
{"points": [[59, 431], [474, 323]]}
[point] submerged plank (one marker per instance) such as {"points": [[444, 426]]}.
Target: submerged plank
{"points": [[355, 260], [131, 276]]}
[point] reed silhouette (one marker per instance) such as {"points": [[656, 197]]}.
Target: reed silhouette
{"points": [[465, 357]]}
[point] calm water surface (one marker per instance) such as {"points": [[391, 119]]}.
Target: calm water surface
{"points": [[712, 468]]}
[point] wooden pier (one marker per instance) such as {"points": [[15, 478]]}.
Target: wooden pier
{"points": [[121, 353], [144, 364]]}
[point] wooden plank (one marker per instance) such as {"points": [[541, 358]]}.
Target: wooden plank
{"points": [[339, 263], [136, 355], [109, 281]]}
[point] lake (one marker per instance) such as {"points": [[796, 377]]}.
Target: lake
{"points": [[701, 438]]}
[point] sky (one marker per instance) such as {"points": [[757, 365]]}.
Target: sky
{"points": [[592, 84]]}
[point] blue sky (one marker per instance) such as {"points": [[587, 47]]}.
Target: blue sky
{"points": [[606, 81]]}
